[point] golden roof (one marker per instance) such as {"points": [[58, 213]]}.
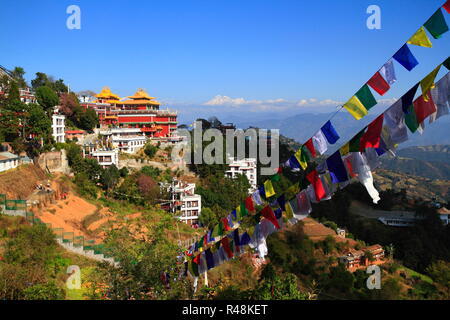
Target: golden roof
{"points": [[137, 101], [107, 94], [141, 94]]}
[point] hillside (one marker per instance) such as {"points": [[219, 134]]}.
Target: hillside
{"points": [[20, 183]]}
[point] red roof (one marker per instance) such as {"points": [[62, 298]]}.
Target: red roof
{"points": [[75, 131]]}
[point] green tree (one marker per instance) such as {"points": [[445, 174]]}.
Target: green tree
{"points": [[47, 99], [40, 80], [18, 74], [150, 150]]}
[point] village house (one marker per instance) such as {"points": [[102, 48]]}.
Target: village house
{"points": [[58, 127], [245, 167], [8, 161], [357, 259], [184, 200]]}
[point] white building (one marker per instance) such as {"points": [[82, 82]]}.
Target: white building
{"points": [[8, 161], [246, 167], [128, 140], [58, 127], [106, 158], [184, 200], [444, 215]]}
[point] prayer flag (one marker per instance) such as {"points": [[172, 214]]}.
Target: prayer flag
{"points": [[411, 120], [355, 142], [378, 84], [337, 168], [366, 97], [423, 108], [293, 162], [304, 205], [316, 183], [388, 72], [420, 38], [356, 108], [243, 209], [226, 226], [209, 259], [320, 141], [245, 239], [446, 6], [262, 192], [268, 213], [226, 246], [441, 97], [302, 157], [249, 204], [427, 83], [407, 98], [371, 138], [289, 210], [446, 63], [236, 239], [436, 25], [329, 132], [268, 188], [394, 118], [405, 57], [309, 144], [282, 202], [257, 198], [345, 149]]}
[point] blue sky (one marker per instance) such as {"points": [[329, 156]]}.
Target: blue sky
{"points": [[266, 52]]}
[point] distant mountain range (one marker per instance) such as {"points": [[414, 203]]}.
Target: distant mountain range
{"points": [[302, 126], [431, 162]]}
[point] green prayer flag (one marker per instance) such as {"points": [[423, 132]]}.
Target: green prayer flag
{"points": [[193, 268], [355, 141], [366, 97], [244, 211], [436, 25], [275, 177], [411, 119]]}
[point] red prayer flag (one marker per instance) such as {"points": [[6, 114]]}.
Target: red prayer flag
{"points": [[378, 84], [424, 108], [319, 190], [249, 204], [309, 144], [226, 226], [197, 259], [371, 138], [226, 247], [349, 167], [267, 213], [446, 6]]}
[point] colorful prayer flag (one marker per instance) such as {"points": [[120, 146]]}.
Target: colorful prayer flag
{"points": [[394, 118], [407, 98], [436, 25], [303, 203], [423, 108], [329, 132], [268, 188], [411, 120], [446, 6], [226, 246], [405, 57], [320, 141], [355, 142], [388, 72], [366, 97], [371, 138], [345, 149], [356, 108], [337, 168], [268, 213], [316, 183], [427, 83], [249, 204], [379, 84], [226, 226], [421, 39], [302, 157], [309, 144]]}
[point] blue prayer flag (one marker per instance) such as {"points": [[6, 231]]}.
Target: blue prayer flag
{"points": [[405, 57], [330, 133], [337, 168]]}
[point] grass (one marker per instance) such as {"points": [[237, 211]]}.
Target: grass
{"points": [[413, 273]]}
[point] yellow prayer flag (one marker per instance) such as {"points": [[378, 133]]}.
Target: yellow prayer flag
{"points": [[345, 149], [301, 159], [268, 188], [420, 38], [289, 211], [427, 83], [356, 108]]}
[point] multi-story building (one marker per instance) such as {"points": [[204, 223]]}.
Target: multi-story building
{"points": [[106, 158], [356, 259], [58, 127], [184, 200], [8, 161], [245, 167], [139, 111], [128, 140]]}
